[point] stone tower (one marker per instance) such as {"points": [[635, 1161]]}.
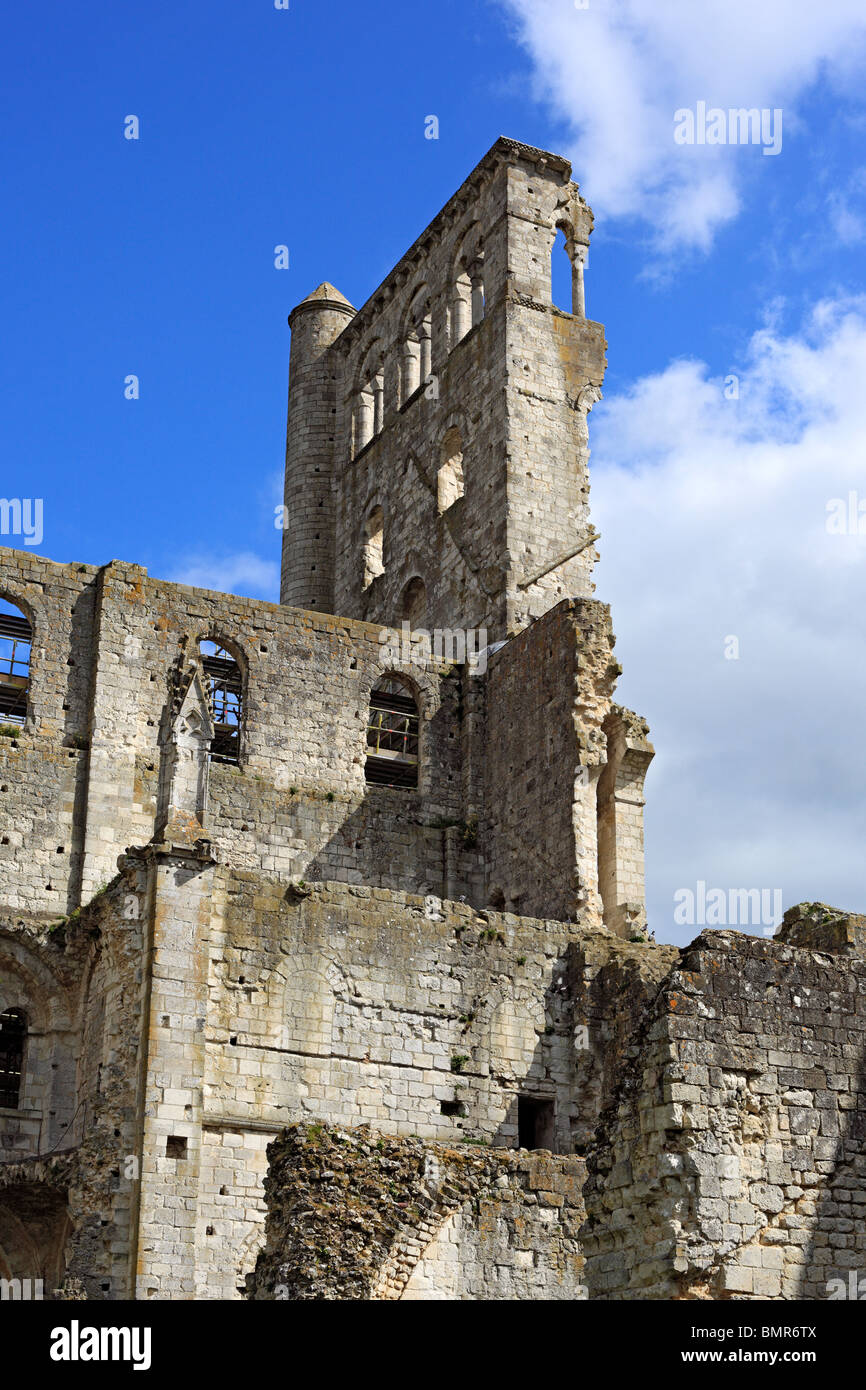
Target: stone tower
{"points": [[436, 466], [263, 862], [307, 578]]}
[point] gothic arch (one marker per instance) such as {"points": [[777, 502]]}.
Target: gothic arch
{"points": [[46, 1001], [247, 1254], [423, 688], [296, 979], [34, 1231]]}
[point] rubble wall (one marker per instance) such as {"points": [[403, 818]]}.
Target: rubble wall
{"points": [[733, 1163]]}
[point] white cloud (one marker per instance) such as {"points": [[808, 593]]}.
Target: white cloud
{"points": [[617, 72], [713, 515], [846, 217], [240, 573]]}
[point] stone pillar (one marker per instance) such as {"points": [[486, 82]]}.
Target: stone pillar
{"points": [[180, 885], [411, 368], [577, 253], [365, 418], [113, 731], [620, 822], [180, 868], [462, 310]]}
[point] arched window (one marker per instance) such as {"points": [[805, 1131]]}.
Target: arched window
{"points": [[370, 399], [392, 734], [417, 364], [15, 641], [374, 546], [13, 1032], [414, 606], [225, 681], [468, 303], [449, 479]]}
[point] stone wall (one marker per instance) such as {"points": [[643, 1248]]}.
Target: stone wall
{"points": [[706, 1105], [270, 1004], [80, 784], [358, 1005], [353, 1214], [68, 1197], [732, 1164], [620, 803], [76, 792], [548, 760], [418, 1017]]}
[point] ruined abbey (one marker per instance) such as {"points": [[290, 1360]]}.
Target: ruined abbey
{"points": [[324, 963]]}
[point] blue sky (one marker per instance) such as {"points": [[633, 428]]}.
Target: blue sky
{"points": [[260, 127]]}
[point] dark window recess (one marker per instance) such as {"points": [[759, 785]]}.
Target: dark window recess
{"points": [[175, 1146], [13, 1031], [15, 639], [534, 1123], [392, 735], [452, 1107], [226, 691]]}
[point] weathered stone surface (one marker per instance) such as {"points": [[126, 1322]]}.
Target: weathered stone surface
{"points": [[353, 1214], [413, 979], [759, 1178]]}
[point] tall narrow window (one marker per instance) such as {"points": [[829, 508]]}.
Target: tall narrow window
{"points": [[414, 605], [561, 273], [476, 281], [377, 385], [468, 301], [370, 398], [417, 360], [225, 681], [449, 480], [392, 734], [374, 543], [15, 641], [13, 1032]]}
